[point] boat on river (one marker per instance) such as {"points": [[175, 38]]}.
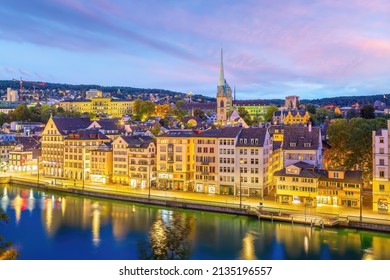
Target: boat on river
{"points": [[5, 180]]}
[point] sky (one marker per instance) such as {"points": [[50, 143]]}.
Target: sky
{"points": [[313, 49]]}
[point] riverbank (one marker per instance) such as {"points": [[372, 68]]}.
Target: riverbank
{"points": [[308, 217]]}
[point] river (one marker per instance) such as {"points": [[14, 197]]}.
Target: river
{"points": [[56, 226]]}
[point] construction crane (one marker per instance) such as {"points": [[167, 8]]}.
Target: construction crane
{"points": [[34, 84]]}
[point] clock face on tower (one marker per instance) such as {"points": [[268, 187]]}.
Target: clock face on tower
{"points": [[221, 110]]}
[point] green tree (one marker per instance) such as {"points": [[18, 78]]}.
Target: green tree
{"points": [[137, 106], [351, 142], [146, 109], [367, 112], [4, 118], [21, 113], [270, 113], [155, 130], [311, 108], [244, 114], [351, 114], [200, 113]]}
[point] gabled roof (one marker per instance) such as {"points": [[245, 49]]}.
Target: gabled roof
{"points": [[300, 135], [66, 125], [229, 132], [178, 133], [307, 171], [138, 141], [29, 143], [248, 137], [86, 134]]}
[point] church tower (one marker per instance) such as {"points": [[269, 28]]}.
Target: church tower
{"points": [[224, 96]]}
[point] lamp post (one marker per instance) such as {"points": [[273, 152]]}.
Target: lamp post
{"points": [[38, 171], [240, 185], [148, 179], [361, 203]]}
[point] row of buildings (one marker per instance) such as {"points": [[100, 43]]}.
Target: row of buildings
{"points": [[226, 160]]}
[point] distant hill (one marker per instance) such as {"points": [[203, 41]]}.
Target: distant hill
{"points": [[57, 86], [346, 100], [124, 91]]}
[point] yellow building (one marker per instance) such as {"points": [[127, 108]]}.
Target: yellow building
{"points": [[77, 152], [297, 183], [206, 161], [53, 136], [101, 163], [303, 183], [340, 187], [100, 106], [291, 117], [175, 160]]}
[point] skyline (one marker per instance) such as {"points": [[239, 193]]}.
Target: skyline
{"points": [[321, 49]]}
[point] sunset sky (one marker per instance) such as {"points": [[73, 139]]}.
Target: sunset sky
{"points": [[271, 49]]}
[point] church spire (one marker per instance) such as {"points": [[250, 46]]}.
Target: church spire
{"points": [[221, 75]]}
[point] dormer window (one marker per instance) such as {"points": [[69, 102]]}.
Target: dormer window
{"points": [[252, 141], [256, 141], [293, 144], [241, 141], [307, 145], [244, 141]]}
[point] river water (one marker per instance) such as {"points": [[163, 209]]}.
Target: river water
{"points": [[50, 225]]}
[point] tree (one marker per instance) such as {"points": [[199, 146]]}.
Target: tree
{"points": [[21, 113], [311, 108], [244, 114], [163, 110], [200, 113], [146, 109], [351, 114], [270, 113], [367, 112], [6, 250], [351, 142], [156, 128], [137, 106]]}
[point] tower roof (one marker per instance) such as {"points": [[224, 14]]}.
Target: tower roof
{"points": [[221, 74]]}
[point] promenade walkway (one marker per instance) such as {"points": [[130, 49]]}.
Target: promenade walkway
{"points": [[298, 211]]}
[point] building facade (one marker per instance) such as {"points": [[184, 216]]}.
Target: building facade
{"points": [[175, 160], [100, 106], [381, 172], [77, 152]]}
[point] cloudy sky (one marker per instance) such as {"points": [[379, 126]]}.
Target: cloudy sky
{"points": [[314, 49]]}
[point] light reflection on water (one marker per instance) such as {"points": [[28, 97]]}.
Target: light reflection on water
{"points": [[47, 225]]}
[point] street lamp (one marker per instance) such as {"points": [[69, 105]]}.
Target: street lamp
{"points": [[361, 202], [148, 179], [240, 184], [38, 171]]}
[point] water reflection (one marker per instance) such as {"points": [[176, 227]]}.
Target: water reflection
{"points": [[152, 232], [168, 238], [248, 246]]}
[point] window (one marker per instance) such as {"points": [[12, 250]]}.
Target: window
{"points": [[381, 174], [381, 140], [335, 175], [381, 150], [307, 144], [293, 144], [381, 162]]}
